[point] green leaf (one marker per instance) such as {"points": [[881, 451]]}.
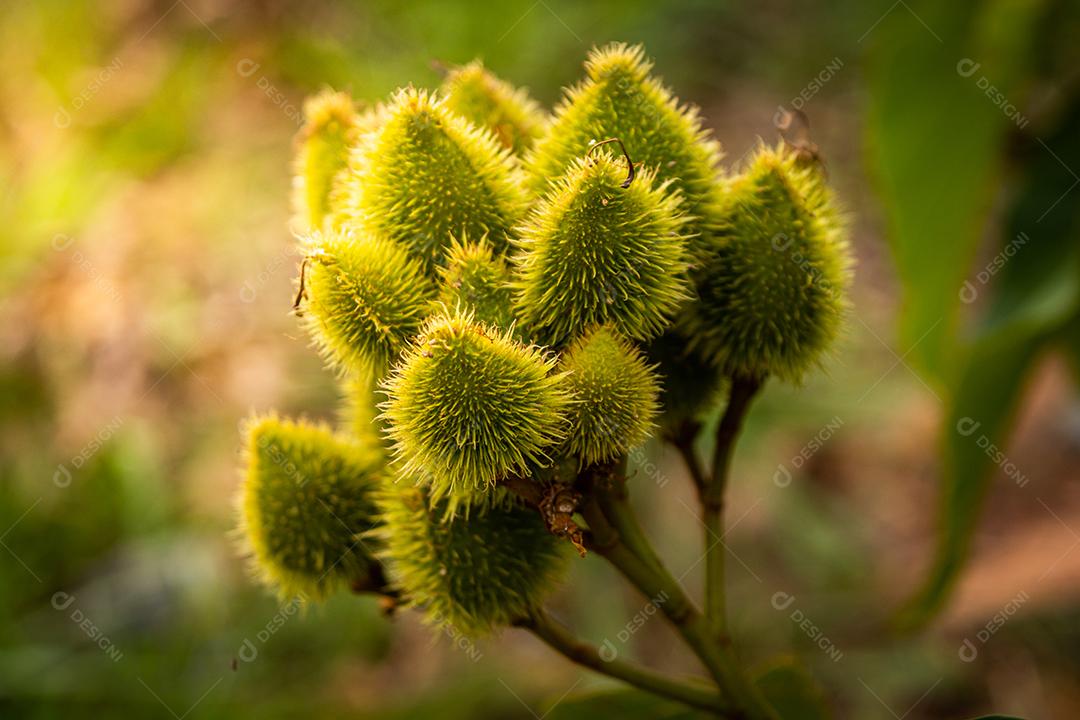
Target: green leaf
{"points": [[1035, 280], [792, 692], [927, 63], [624, 704]]}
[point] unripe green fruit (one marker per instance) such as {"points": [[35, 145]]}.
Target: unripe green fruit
{"points": [[593, 252], [615, 393], [332, 129], [473, 572], [468, 405], [618, 98], [488, 102], [427, 174], [306, 502], [772, 286], [477, 281], [366, 298]]}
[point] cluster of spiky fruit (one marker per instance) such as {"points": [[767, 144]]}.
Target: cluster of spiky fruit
{"points": [[529, 301]]}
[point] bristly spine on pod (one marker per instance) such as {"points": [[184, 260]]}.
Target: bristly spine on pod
{"points": [[332, 128], [616, 394], [469, 405], [594, 251], [772, 287], [365, 298], [619, 98], [480, 97], [305, 503], [426, 175], [471, 573], [478, 281]]}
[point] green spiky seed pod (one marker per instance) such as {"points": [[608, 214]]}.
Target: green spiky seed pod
{"points": [[616, 394], [772, 288], [427, 174], [365, 299], [474, 572], [468, 405], [619, 98], [477, 281], [594, 252], [305, 503], [690, 384], [331, 129], [475, 94]]}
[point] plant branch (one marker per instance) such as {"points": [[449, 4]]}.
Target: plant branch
{"points": [[560, 639], [665, 592], [743, 391]]}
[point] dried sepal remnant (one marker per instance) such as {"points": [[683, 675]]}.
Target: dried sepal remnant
{"points": [[594, 252], [427, 175], [306, 501], [477, 280], [620, 98], [772, 286], [480, 97], [331, 130], [365, 299], [473, 572], [468, 404], [616, 396]]}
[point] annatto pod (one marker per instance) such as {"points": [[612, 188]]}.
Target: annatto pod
{"points": [[475, 94], [477, 281], [615, 393], [331, 130], [428, 174], [596, 252], [473, 572], [618, 98], [366, 297], [305, 503], [468, 405], [772, 287]]}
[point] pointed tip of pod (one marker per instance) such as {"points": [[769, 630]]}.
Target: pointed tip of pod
{"points": [[305, 504], [772, 289], [618, 60], [468, 404], [471, 573], [593, 252], [365, 298], [476, 94], [616, 396]]}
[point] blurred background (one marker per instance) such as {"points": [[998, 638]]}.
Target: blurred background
{"points": [[926, 479]]}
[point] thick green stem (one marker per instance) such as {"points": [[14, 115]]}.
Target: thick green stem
{"points": [[743, 391], [559, 638], [664, 591]]}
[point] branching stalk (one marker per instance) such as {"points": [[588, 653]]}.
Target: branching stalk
{"points": [[559, 638]]}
